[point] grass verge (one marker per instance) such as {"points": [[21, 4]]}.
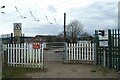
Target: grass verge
{"points": [[105, 71], [19, 72]]}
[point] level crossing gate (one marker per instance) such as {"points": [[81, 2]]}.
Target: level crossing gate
{"points": [[25, 55], [53, 51], [79, 52]]}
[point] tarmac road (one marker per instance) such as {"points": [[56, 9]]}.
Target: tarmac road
{"points": [[56, 69]]}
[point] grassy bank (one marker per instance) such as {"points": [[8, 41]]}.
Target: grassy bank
{"points": [[19, 72]]}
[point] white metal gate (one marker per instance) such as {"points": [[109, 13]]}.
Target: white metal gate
{"points": [[80, 52], [23, 55]]}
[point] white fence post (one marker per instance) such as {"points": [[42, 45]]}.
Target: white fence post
{"points": [[13, 55], [87, 56], [22, 53], [42, 56], [77, 52], [8, 54], [69, 52], [65, 54], [90, 51], [80, 51], [16, 50], [93, 51], [19, 55], [39, 52], [30, 53], [27, 54]]}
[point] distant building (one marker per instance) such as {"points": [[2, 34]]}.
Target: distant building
{"points": [[39, 38], [6, 38], [17, 37]]}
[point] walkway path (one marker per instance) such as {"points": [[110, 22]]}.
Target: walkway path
{"points": [[60, 70]]}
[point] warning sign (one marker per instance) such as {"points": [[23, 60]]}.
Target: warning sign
{"points": [[36, 46], [103, 43]]}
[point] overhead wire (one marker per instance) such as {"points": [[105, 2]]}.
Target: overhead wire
{"points": [[65, 4], [47, 16], [60, 13], [48, 20], [55, 21], [32, 15], [19, 12], [60, 6], [2, 7], [4, 4]]}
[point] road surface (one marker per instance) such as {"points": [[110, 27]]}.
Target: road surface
{"points": [[60, 70]]}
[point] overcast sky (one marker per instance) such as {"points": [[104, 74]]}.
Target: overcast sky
{"points": [[46, 16]]}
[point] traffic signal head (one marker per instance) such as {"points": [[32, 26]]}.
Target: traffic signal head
{"points": [[102, 32]]}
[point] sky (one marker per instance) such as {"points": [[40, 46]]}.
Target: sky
{"points": [[46, 17]]}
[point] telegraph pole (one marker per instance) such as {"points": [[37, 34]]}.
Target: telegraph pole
{"points": [[64, 27]]}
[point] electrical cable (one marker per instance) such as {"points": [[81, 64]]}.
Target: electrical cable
{"points": [[19, 12], [59, 4], [55, 21], [33, 16], [48, 20], [2, 8]]}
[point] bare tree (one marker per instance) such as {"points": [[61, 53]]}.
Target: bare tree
{"points": [[85, 34], [73, 30]]}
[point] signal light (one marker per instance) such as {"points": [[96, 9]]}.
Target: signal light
{"points": [[102, 32]]}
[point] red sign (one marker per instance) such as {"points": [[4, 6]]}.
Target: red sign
{"points": [[36, 46]]}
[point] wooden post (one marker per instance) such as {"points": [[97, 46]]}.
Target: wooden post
{"points": [[64, 27], [11, 38]]}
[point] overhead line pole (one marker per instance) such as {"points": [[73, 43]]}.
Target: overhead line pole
{"points": [[64, 27]]}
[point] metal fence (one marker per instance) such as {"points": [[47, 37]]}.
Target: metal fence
{"points": [[109, 56], [0, 49]]}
